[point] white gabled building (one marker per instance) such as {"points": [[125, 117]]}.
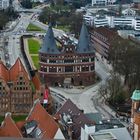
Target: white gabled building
{"points": [[4, 4], [100, 21]]}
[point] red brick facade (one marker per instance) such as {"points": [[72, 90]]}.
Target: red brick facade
{"points": [[15, 89]]}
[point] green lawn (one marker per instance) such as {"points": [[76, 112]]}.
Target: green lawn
{"points": [[35, 60], [15, 118], [33, 46], [32, 27]]}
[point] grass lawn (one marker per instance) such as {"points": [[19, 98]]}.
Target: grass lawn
{"points": [[32, 27], [15, 118], [35, 60], [33, 46]]}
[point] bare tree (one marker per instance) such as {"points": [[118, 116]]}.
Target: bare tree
{"points": [[112, 91]]}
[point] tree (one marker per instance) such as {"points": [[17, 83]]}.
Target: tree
{"points": [[26, 4], [75, 21], [4, 19], [103, 93], [112, 90], [125, 58], [7, 15]]}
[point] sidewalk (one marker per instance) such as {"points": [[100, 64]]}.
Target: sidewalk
{"points": [[104, 62]]}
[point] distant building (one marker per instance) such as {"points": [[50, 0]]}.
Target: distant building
{"points": [[135, 114], [121, 22], [101, 39], [74, 62], [102, 2], [4, 4], [137, 3], [15, 90], [129, 12]]}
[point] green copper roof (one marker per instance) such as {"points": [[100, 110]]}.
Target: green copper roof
{"points": [[49, 44], [136, 95], [84, 44]]}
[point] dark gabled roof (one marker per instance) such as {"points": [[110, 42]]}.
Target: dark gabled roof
{"points": [[49, 44], [78, 118], [84, 44]]}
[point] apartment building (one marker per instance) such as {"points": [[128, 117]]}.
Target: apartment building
{"points": [[102, 2], [111, 21], [4, 4]]}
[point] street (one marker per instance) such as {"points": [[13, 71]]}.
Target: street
{"points": [[86, 99]]}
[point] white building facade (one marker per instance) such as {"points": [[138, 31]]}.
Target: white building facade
{"points": [[102, 2], [111, 21], [4, 4]]}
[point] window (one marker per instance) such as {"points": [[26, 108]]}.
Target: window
{"points": [[45, 69], [69, 69], [69, 61], [52, 69], [85, 60], [59, 70], [20, 77], [52, 61], [92, 59], [85, 68], [92, 68]]}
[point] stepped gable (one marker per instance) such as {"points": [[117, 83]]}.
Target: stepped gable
{"points": [[4, 73], [8, 127], [49, 44], [78, 118], [84, 44], [45, 122], [16, 69]]}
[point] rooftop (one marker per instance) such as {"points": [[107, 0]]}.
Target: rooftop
{"points": [[103, 136], [9, 128], [45, 122], [73, 116], [118, 133], [136, 95]]}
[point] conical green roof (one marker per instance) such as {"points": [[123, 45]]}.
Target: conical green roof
{"points": [[84, 44], [49, 44], [136, 95]]}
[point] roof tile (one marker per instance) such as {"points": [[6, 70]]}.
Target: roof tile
{"points": [[9, 128], [46, 123]]}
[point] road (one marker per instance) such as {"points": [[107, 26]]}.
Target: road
{"points": [[86, 99], [83, 100]]}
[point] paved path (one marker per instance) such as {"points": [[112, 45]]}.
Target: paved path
{"points": [[83, 98]]}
